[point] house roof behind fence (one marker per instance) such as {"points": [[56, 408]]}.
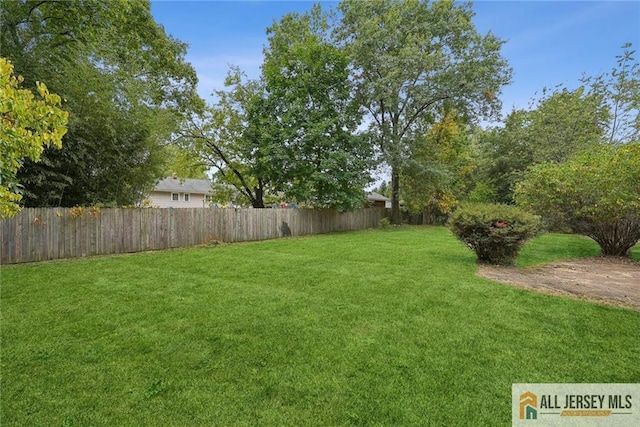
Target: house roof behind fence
{"points": [[375, 197], [177, 185]]}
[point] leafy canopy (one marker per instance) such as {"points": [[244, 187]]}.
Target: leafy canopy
{"points": [[561, 124], [597, 193], [225, 137], [620, 91], [314, 117], [434, 177], [27, 125], [125, 84], [408, 58], [292, 133]]}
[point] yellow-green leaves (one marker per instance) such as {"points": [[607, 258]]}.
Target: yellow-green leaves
{"points": [[596, 193], [27, 125], [440, 160]]}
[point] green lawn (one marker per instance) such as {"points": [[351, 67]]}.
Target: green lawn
{"points": [[385, 327], [553, 247]]}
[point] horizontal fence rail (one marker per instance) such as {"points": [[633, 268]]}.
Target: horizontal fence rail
{"points": [[40, 234]]}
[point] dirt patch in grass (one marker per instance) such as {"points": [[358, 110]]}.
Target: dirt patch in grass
{"points": [[605, 280]]}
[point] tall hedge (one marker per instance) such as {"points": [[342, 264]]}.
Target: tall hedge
{"points": [[596, 193]]}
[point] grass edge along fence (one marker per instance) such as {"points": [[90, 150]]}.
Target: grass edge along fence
{"points": [[40, 234]]}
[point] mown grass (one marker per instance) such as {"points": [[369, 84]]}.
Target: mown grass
{"points": [[554, 247], [368, 328]]}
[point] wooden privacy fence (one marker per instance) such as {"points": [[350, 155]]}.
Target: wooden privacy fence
{"points": [[40, 234]]}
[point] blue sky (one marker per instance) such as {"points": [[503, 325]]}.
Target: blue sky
{"points": [[548, 42]]}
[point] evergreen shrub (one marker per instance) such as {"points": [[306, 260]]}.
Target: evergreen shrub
{"points": [[495, 232]]}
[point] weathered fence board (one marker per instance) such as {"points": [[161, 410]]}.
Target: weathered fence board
{"points": [[40, 234]]}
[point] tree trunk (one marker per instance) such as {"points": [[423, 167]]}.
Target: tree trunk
{"points": [[616, 238], [258, 200], [395, 197], [427, 215]]}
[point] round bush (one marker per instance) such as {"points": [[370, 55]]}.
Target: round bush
{"points": [[495, 232]]}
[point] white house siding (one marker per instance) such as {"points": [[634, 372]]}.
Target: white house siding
{"points": [[163, 200]]}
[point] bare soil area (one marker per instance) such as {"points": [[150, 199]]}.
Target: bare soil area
{"points": [[600, 279]]}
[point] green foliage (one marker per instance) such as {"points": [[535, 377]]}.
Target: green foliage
{"points": [[408, 59], [184, 163], [27, 125], [440, 161], [384, 223], [291, 133], [230, 138], [482, 193], [321, 161], [596, 193], [563, 123], [125, 84], [494, 232], [620, 91]]}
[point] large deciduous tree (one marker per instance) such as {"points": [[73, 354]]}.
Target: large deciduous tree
{"points": [[596, 193], [410, 57], [231, 138], [314, 117], [435, 176], [27, 125], [561, 124], [124, 82], [292, 133]]}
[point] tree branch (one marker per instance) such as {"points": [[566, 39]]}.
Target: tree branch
{"points": [[37, 5], [418, 112]]}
